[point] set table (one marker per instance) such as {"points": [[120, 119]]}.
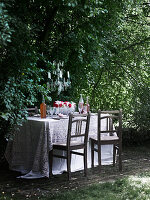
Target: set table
{"points": [[28, 151]]}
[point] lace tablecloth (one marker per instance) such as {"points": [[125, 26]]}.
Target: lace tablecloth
{"points": [[28, 152]]}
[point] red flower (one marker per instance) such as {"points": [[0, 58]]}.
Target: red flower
{"points": [[69, 105], [55, 105], [60, 105]]}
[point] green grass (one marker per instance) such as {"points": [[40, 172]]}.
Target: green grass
{"points": [[129, 188]]}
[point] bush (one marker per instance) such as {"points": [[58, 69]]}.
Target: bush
{"points": [[131, 136]]}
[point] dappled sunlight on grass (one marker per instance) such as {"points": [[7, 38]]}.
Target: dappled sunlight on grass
{"points": [[133, 187], [136, 187], [139, 181]]}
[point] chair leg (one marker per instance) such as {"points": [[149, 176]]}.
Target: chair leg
{"points": [[68, 164], [50, 162], [99, 157], [114, 155], [85, 161], [120, 157], [92, 154]]}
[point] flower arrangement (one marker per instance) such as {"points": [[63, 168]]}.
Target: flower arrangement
{"points": [[64, 107]]}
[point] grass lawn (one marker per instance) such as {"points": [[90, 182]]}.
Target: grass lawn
{"points": [[131, 187], [133, 183]]}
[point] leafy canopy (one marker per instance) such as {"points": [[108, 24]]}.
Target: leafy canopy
{"points": [[104, 45]]}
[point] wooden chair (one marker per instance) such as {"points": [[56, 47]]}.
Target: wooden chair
{"points": [[32, 111], [113, 136], [77, 138]]}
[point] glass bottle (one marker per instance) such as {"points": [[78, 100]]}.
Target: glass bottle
{"points": [[43, 108], [87, 104], [81, 104]]}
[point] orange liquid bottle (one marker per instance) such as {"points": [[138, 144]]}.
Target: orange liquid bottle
{"points": [[43, 109]]}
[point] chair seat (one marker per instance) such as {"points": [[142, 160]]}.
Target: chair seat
{"points": [[110, 138], [104, 139], [58, 145]]}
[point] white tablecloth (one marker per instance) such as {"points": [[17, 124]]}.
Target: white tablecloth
{"points": [[28, 152]]}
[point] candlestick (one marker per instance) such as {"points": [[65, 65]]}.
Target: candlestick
{"points": [[49, 75], [60, 73]]}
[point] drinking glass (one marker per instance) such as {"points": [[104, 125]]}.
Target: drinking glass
{"points": [[48, 110], [52, 109]]}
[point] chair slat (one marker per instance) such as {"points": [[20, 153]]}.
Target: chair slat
{"points": [[81, 135], [109, 131], [110, 117], [110, 111]]}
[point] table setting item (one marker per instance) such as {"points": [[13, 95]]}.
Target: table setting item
{"points": [[83, 107], [61, 116], [64, 107], [37, 115], [43, 108], [80, 104], [52, 111]]}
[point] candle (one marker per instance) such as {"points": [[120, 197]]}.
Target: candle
{"points": [[58, 67], [48, 85], [60, 73], [68, 74], [49, 75]]}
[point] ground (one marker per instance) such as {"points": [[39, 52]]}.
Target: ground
{"points": [[136, 159]]}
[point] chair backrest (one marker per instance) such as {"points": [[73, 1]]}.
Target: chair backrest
{"points": [[32, 111], [111, 118], [78, 127]]}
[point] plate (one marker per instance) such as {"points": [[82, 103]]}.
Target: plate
{"points": [[56, 117], [64, 117], [37, 115]]}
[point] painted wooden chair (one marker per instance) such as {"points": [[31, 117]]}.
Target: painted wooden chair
{"points": [[32, 111], [111, 135], [77, 138]]}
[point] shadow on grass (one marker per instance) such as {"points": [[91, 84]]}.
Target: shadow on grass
{"points": [[136, 160]]}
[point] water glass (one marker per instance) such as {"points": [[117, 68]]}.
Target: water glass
{"points": [[48, 110], [52, 109]]}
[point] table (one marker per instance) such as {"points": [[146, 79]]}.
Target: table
{"points": [[28, 152]]}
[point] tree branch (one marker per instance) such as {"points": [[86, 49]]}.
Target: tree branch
{"points": [[49, 21]]}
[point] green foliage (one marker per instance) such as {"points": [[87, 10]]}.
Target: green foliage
{"points": [[119, 73], [104, 45], [18, 93], [5, 30], [131, 136]]}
